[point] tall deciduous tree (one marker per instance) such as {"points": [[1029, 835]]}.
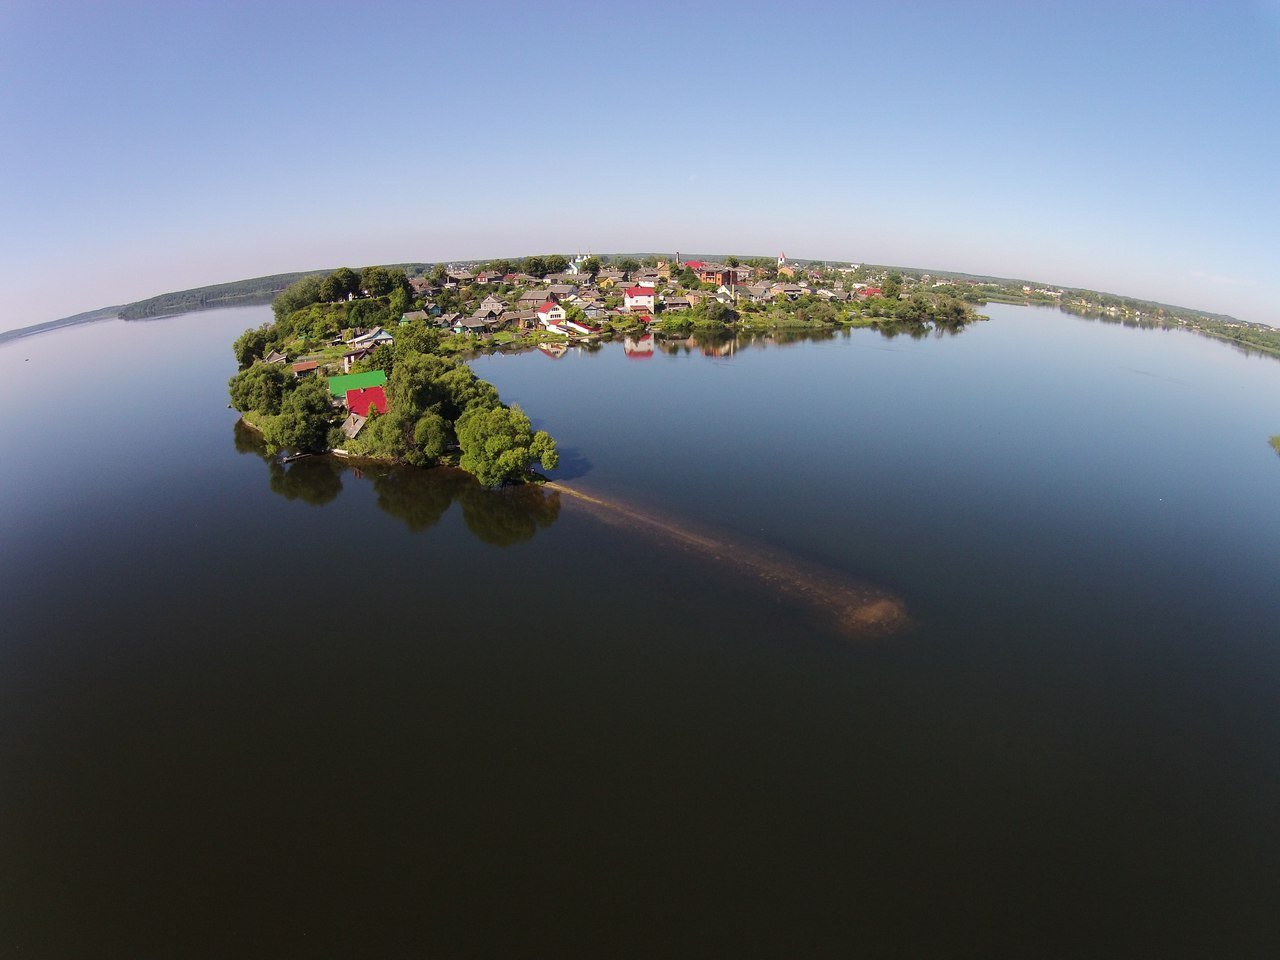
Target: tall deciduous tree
{"points": [[498, 444]]}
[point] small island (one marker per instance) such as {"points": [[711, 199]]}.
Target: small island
{"points": [[371, 363]]}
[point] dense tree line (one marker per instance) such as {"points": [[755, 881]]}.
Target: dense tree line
{"points": [[341, 284], [437, 405]]}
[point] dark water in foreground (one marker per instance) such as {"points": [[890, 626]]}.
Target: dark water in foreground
{"points": [[250, 711]]}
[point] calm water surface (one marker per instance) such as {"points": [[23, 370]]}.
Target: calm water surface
{"points": [[249, 710]]}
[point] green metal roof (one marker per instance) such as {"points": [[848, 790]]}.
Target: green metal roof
{"points": [[339, 386]]}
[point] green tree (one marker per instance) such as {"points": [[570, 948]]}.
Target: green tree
{"points": [[305, 417], [534, 266], [399, 304], [556, 263], [591, 266], [892, 288], [250, 345], [299, 294], [498, 444], [628, 265], [376, 281], [260, 388]]}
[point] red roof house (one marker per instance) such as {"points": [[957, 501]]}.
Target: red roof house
{"points": [[360, 401]]}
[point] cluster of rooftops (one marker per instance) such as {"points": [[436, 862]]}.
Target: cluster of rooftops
{"points": [[545, 304], [575, 303]]}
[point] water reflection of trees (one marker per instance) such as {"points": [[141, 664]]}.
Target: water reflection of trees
{"points": [[416, 497], [724, 344]]}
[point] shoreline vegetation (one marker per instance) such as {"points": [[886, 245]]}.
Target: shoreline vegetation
{"points": [[371, 363], [971, 288]]}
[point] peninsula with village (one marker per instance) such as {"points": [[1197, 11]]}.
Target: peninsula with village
{"points": [[371, 363]]}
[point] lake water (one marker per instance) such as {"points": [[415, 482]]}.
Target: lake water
{"points": [[256, 711]]}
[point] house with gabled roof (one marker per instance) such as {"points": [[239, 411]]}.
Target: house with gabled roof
{"points": [[520, 319], [493, 303], [352, 426], [351, 358], [551, 314], [532, 299], [374, 338], [363, 399], [640, 299], [338, 386], [275, 356]]}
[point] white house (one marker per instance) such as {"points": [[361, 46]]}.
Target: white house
{"points": [[551, 314], [638, 299], [371, 339]]}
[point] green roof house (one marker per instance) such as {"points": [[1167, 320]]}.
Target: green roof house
{"points": [[338, 386]]}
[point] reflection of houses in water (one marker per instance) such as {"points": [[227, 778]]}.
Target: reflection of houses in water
{"points": [[708, 348], [638, 348], [553, 350], [722, 348]]}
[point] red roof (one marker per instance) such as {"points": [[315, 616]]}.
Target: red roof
{"points": [[547, 305], [639, 291], [695, 264], [359, 401], [304, 366]]}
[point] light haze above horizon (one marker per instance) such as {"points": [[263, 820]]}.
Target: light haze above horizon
{"points": [[1128, 148]]}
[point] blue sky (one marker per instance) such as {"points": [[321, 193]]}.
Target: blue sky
{"points": [[1129, 147]]}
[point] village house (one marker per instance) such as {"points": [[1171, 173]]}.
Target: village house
{"points": [[488, 276], [375, 337], [640, 299], [413, 315], [519, 319], [275, 356], [338, 386], [493, 303], [532, 299], [551, 314], [716, 273], [752, 293], [472, 325], [350, 359], [304, 368], [363, 399], [352, 426]]}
